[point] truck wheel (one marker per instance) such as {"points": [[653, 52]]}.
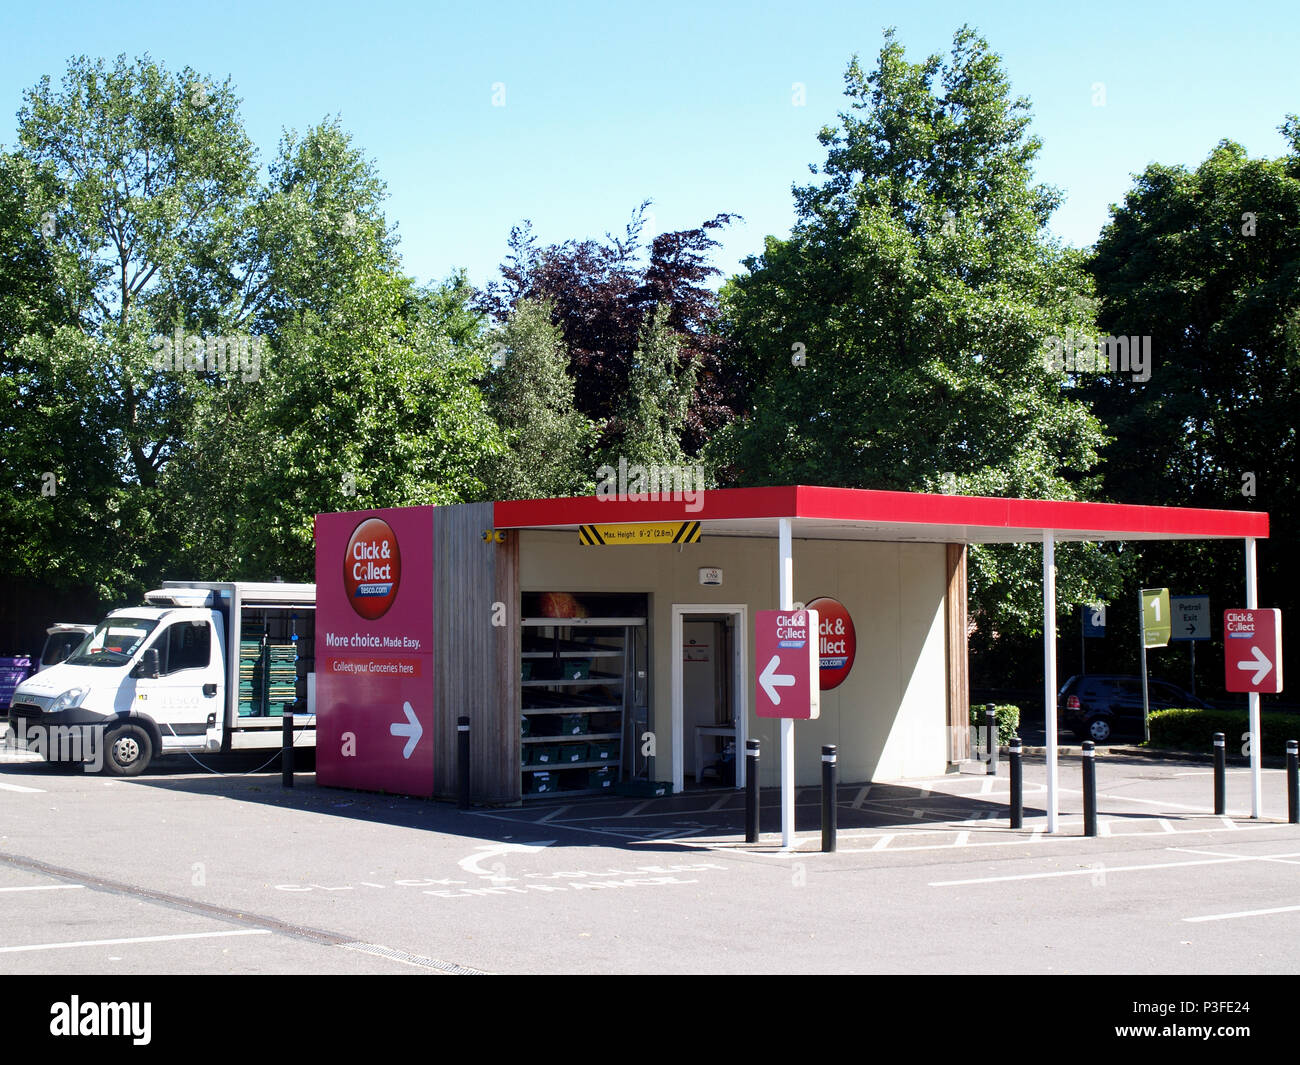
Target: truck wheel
{"points": [[128, 751]]}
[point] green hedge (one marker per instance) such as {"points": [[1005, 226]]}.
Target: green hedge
{"points": [[1008, 718], [1193, 730]]}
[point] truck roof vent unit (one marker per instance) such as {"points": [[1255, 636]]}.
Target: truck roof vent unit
{"points": [[179, 597]]}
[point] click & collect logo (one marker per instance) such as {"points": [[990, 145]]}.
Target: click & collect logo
{"points": [[372, 568]]}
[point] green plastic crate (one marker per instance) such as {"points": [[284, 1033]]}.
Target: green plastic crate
{"points": [[540, 783], [542, 754], [601, 779], [603, 751], [575, 668], [568, 753], [573, 724]]}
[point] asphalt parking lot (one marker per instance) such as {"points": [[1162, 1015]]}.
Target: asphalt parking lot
{"points": [[181, 871]]}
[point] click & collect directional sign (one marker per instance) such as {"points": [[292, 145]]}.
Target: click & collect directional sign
{"points": [[1252, 650], [788, 663]]}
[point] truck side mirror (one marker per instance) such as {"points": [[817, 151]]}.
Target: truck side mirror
{"points": [[148, 664]]}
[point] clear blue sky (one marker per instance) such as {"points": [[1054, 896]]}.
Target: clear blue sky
{"points": [[688, 104]]}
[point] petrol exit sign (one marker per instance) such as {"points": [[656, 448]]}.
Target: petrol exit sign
{"points": [[789, 664], [1252, 650]]}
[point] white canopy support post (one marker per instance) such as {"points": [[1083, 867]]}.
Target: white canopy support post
{"points": [[1252, 699], [1049, 670], [786, 589]]}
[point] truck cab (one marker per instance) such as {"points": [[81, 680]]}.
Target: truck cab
{"points": [[199, 667]]}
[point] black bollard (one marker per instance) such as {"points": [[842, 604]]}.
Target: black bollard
{"points": [[1220, 775], [1017, 785], [751, 791], [1292, 782], [829, 805], [462, 764], [286, 752], [991, 728], [1089, 789]]}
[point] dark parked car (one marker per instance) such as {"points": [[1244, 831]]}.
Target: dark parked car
{"points": [[1101, 706]]}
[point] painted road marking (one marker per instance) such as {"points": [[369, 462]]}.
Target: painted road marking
{"points": [[987, 787], [471, 863], [134, 939], [1282, 859], [19, 787], [45, 887], [554, 813], [1242, 913], [860, 797], [884, 841], [1055, 874]]}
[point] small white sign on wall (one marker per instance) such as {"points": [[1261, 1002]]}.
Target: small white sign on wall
{"points": [[710, 575]]}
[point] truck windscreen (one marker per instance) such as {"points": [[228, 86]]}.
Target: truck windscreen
{"points": [[113, 642]]}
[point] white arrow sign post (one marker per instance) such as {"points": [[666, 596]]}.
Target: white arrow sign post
{"points": [[412, 730], [786, 642]]}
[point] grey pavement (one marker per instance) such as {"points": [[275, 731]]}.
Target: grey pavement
{"points": [[181, 871]]}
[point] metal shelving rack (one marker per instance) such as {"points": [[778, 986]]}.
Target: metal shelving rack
{"points": [[604, 642]]}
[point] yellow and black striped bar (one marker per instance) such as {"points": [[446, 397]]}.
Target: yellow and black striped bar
{"points": [[672, 532]]}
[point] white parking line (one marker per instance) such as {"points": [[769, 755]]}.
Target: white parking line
{"points": [[19, 787], [1282, 858], [987, 787], [1055, 874], [1242, 913], [861, 797], [45, 887], [134, 939], [554, 813]]}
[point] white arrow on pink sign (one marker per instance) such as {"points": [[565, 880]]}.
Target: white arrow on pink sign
{"points": [[788, 661]]}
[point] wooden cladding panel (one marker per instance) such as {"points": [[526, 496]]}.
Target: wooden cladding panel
{"points": [[476, 662]]}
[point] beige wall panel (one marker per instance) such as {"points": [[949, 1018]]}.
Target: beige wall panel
{"points": [[888, 718]]}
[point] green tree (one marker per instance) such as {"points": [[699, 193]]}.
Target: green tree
{"points": [[135, 191], [530, 395], [1206, 263], [657, 403], [896, 339]]}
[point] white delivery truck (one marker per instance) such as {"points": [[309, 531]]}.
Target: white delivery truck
{"points": [[200, 666]]}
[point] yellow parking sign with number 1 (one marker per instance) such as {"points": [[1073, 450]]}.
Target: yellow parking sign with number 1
{"points": [[1156, 624]]}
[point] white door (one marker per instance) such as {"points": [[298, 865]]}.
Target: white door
{"points": [[684, 745], [189, 690]]}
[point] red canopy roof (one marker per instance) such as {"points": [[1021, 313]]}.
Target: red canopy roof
{"points": [[862, 514]]}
